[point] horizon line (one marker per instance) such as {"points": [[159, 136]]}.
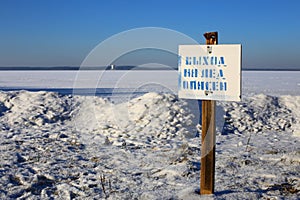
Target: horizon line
{"points": [[127, 67]]}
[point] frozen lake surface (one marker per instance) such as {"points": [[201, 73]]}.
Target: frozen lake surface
{"points": [[86, 82]]}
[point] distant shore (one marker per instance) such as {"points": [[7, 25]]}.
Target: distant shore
{"points": [[74, 68]]}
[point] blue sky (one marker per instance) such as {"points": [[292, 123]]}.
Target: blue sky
{"points": [[63, 32]]}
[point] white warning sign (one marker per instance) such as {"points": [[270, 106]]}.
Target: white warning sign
{"points": [[210, 72]]}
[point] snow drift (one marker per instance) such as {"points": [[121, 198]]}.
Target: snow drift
{"points": [[81, 147]]}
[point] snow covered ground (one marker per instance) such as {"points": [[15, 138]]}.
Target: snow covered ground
{"points": [[142, 142]]}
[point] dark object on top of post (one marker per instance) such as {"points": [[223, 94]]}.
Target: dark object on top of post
{"points": [[211, 37]]}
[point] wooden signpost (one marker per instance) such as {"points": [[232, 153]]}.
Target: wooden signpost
{"points": [[208, 73], [208, 136]]}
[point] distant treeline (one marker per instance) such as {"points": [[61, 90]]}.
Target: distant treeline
{"points": [[67, 68], [85, 68], [270, 69]]}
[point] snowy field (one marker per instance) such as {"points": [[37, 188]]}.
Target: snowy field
{"points": [[126, 135]]}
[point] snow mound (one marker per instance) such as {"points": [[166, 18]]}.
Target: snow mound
{"points": [[293, 103], [146, 148], [34, 108], [258, 113], [161, 116]]}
